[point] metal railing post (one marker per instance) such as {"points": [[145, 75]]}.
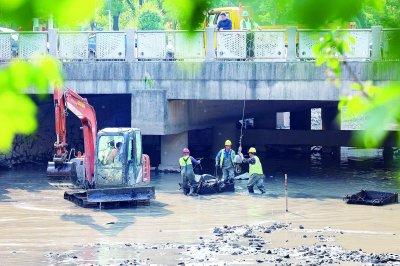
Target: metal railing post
{"points": [[210, 40], [291, 46], [130, 45], [52, 42], [376, 36]]}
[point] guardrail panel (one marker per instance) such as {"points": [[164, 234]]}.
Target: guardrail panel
{"points": [[189, 47], [269, 44], [5, 46], [73, 45], [360, 45], [231, 44], [306, 41], [110, 45], [31, 44], [151, 45]]}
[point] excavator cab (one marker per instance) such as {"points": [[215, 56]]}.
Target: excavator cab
{"points": [[118, 158]]}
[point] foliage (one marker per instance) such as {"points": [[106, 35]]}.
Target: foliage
{"points": [[17, 110], [190, 13], [65, 12], [116, 7], [149, 17]]}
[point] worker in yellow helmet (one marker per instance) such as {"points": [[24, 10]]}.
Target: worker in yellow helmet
{"points": [[225, 160], [256, 174]]}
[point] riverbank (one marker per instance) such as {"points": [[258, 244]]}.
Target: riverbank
{"points": [[37, 226]]}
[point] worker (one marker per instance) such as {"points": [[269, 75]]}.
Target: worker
{"points": [[246, 23], [186, 163], [225, 160], [224, 22], [256, 174], [113, 153]]}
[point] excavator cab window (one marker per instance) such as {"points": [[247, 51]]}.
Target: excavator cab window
{"points": [[110, 160]]}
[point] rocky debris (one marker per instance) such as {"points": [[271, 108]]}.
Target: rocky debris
{"points": [[238, 244]]}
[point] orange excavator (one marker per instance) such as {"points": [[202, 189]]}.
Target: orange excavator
{"points": [[112, 168]]}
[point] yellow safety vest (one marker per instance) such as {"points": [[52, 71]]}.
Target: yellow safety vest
{"points": [[185, 161], [256, 168], [222, 157]]}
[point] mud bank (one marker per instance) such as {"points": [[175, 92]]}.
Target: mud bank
{"points": [[37, 226], [231, 245]]}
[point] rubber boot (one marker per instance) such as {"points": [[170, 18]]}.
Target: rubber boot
{"points": [[250, 189]]}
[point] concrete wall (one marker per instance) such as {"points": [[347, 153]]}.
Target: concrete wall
{"points": [[225, 80]]}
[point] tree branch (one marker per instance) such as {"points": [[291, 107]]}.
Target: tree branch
{"points": [[131, 5]]}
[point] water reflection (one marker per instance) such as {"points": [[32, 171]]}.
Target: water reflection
{"points": [[308, 178]]}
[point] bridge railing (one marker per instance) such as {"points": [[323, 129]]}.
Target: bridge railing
{"points": [[288, 44]]}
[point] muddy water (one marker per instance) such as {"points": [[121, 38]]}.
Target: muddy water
{"points": [[36, 222]]}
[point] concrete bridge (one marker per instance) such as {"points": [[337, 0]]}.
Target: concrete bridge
{"points": [[203, 83], [171, 98]]}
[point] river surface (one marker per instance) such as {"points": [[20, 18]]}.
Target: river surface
{"points": [[309, 178], [37, 226]]}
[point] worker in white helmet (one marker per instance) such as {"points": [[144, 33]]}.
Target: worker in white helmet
{"points": [[225, 160], [256, 174]]}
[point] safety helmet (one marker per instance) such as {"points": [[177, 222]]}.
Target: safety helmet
{"points": [[245, 13], [185, 150], [252, 150], [228, 143]]}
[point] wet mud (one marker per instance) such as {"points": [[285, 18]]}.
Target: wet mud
{"points": [[37, 226]]}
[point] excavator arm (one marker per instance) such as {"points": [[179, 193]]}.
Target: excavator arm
{"points": [[70, 100]]}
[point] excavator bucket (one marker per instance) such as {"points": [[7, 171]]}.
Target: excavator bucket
{"points": [[66, 170]]}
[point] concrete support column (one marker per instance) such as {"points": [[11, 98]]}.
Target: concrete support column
{"points": [[130, 45], [148, 111], [300, 120], [388, 155], [210, 41], [52, 42], [291, 52], [330, 118], [282, 120], [376, 32], [171, 150]]}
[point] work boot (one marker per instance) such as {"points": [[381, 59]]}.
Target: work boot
{"points": [[250, 189]]}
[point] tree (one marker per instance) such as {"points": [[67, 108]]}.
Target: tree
{"points": [[17, 110], [114, 8], [149, 17]]}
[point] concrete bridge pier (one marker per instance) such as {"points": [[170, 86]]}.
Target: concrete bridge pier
{"points": [[388, 154], [331, 121], [171, 147], [301, 120]]}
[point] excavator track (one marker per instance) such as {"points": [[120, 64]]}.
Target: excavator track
{"points": [[111, 198]]}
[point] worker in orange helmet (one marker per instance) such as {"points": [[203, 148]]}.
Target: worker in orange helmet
{"points": [[186, 163]]}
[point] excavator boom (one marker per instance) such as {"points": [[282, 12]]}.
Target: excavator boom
{"points": [[64, 101]]}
